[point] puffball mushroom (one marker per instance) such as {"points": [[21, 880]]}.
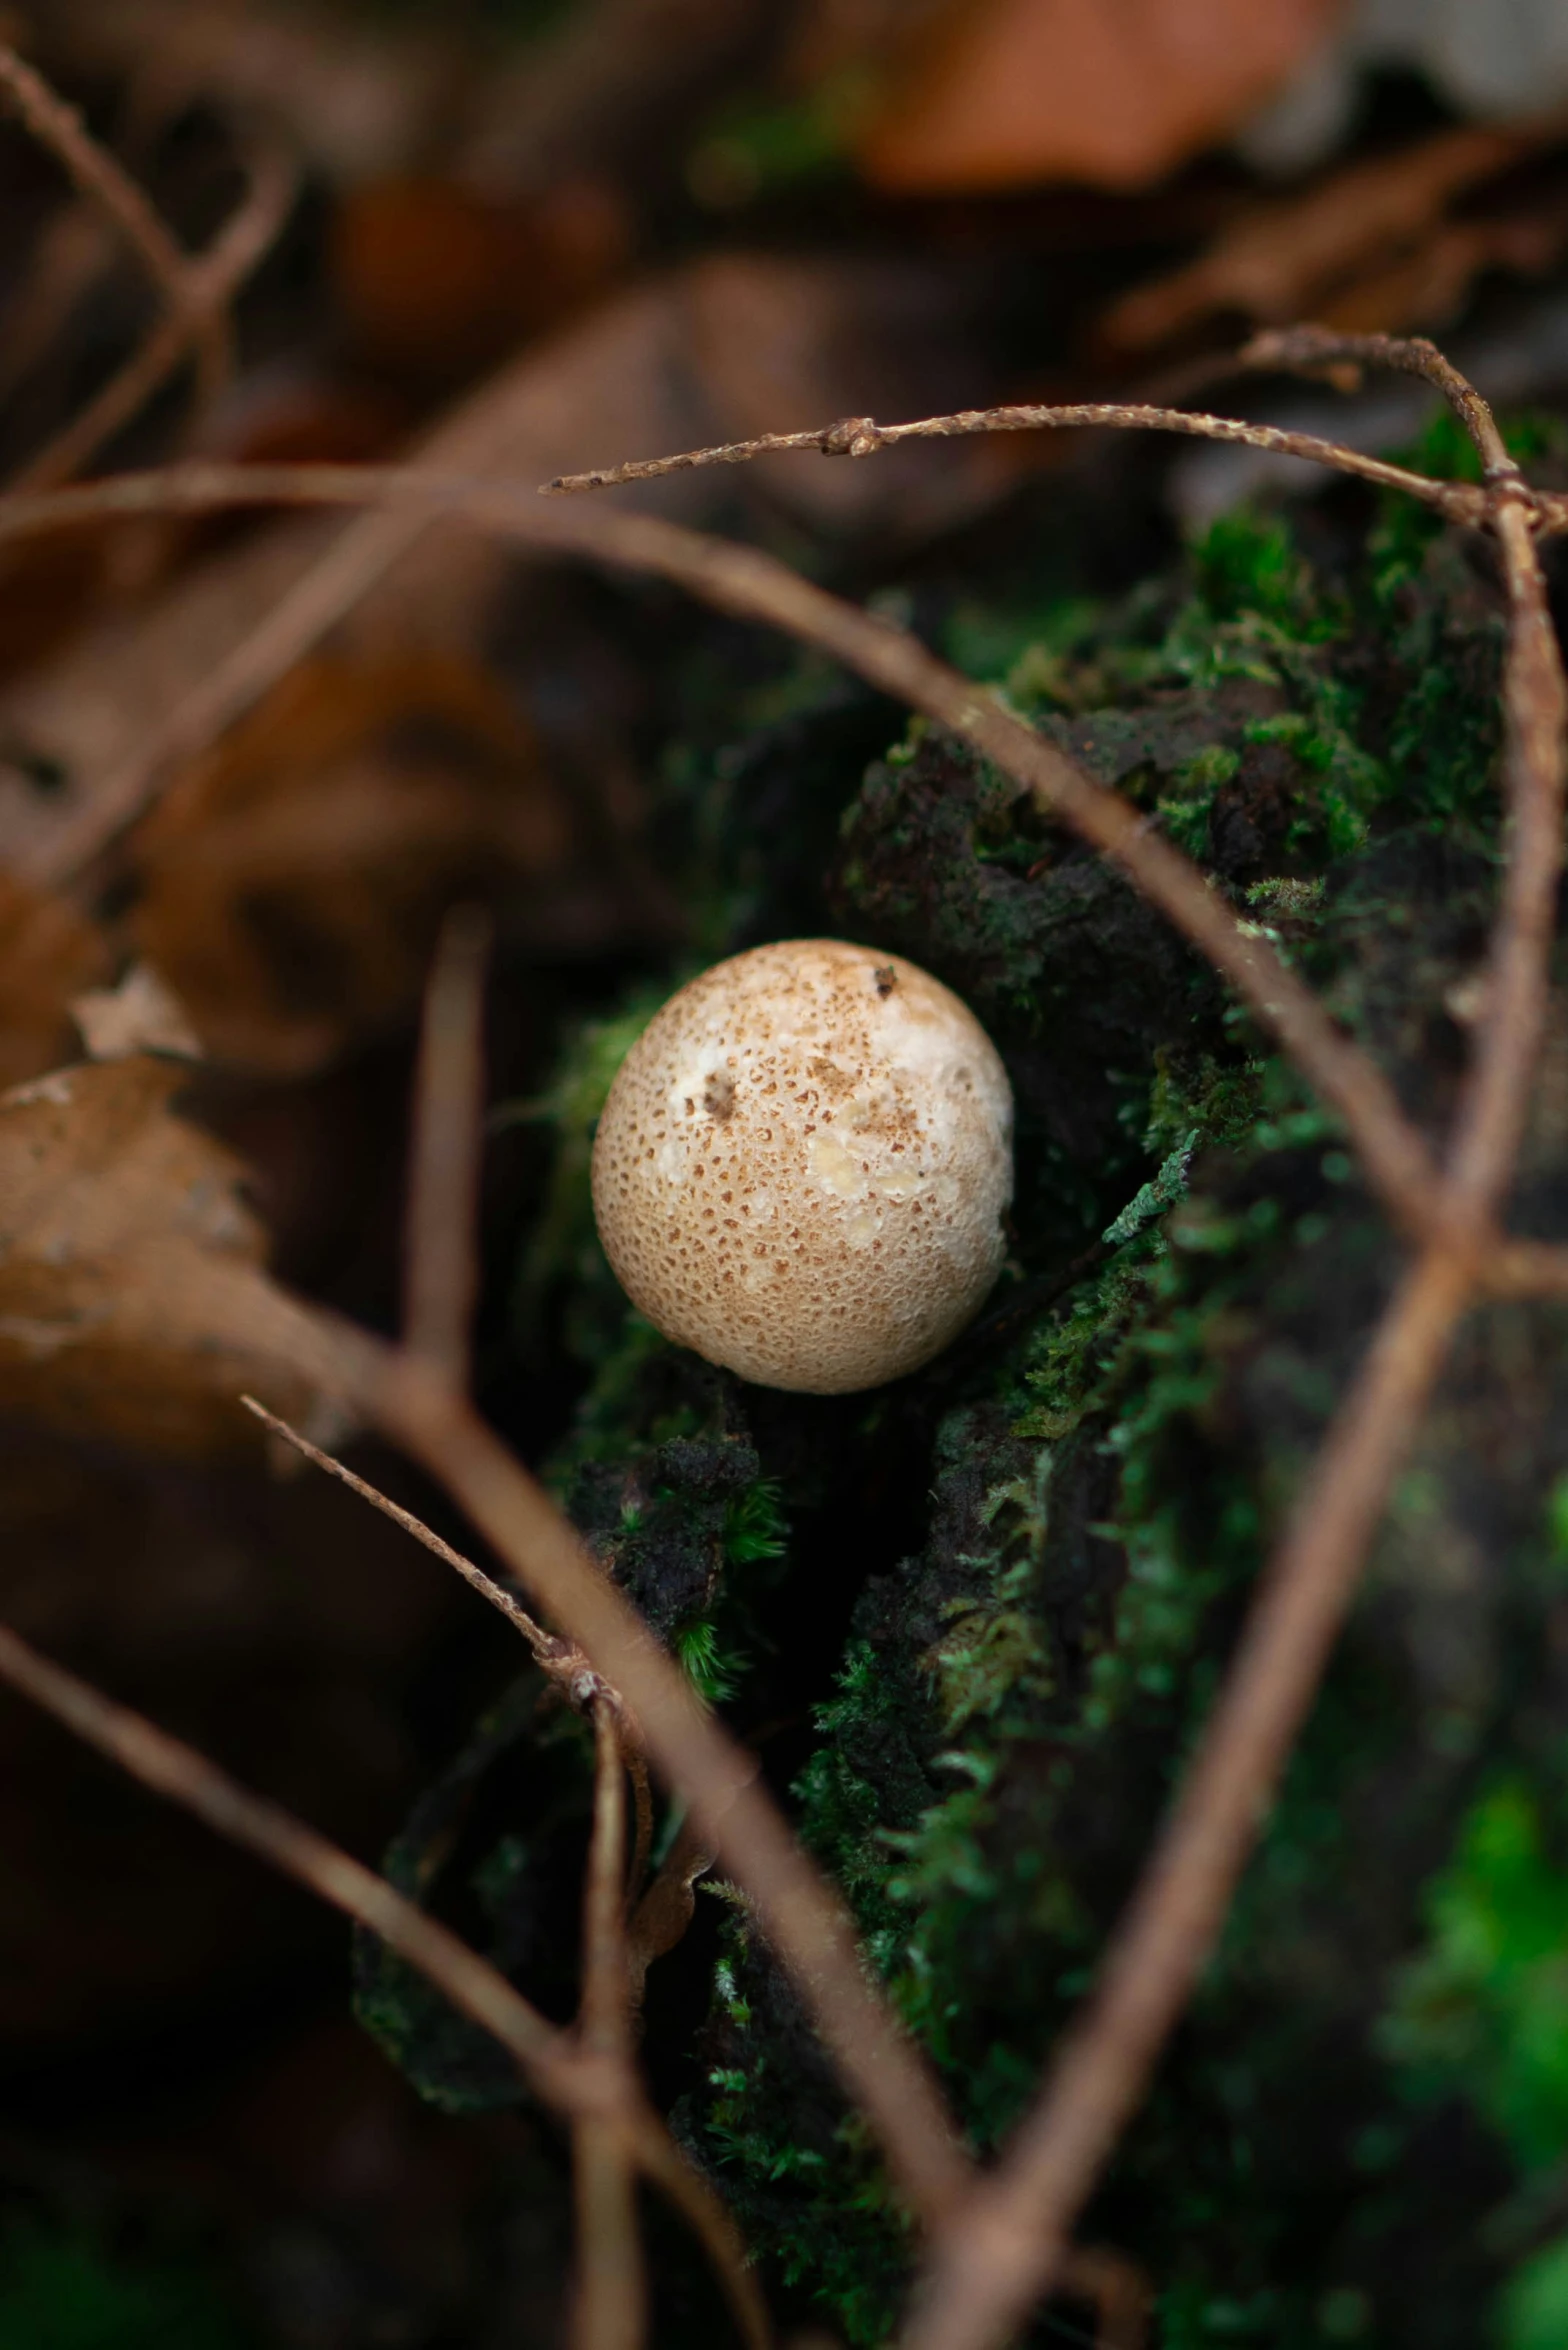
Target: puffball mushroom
{"points": [[803, 1165]]}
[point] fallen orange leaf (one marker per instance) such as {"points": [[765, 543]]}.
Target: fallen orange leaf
{"points": [[1113, 92], [48, 953]]}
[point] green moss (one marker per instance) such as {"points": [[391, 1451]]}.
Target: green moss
{"points": [[1533, 2314], [1005, 1734], [1189, 806], [1475, 2021], [760, 145], [65, 2287], [715, 1672], [1483, 2008], [563, 1247], [1345, 2139]]}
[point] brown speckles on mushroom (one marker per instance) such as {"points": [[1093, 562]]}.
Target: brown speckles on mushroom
{"points": [[862, 1130]]}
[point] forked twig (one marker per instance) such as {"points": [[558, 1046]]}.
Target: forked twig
{"points": [[561, 1660], [569, 2078], [802, 1916], [207, 284], [197, 289], [95, 174]]}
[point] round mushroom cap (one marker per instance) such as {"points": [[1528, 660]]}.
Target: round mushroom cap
{"points": [[803, 1165]]}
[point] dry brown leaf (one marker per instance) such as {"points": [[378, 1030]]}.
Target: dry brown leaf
{"points": [[48, 953], [1291, 257], [295, 879], [133, 1300], [1114, 92]]}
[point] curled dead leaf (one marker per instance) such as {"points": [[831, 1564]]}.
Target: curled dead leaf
{"points": [[296, 876], [49, 952], [133, 1300]]}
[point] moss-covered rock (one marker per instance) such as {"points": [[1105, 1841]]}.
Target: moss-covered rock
{"points": [[975, 1622]]}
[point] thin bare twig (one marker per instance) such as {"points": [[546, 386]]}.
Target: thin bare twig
{"points": [[206, 286], [572, 2078], [745, 581], [610, 2306], [565, 2077], [1535, 702], [1308, 350], [440, 1261], [94, 172], [802, 1916], [862, 436], [557, 1657]]}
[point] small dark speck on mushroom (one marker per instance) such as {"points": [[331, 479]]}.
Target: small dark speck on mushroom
{"points": [[718, 1095], [886, 980]]}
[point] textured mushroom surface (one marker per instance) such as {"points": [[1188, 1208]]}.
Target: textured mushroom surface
{"points": [[803, 1164]]}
